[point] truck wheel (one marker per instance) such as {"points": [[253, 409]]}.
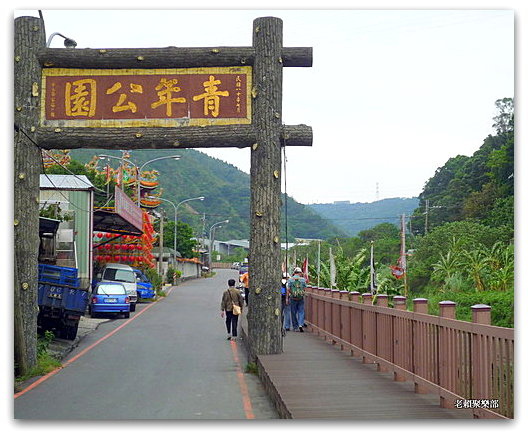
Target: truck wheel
{"points": [[132, 307], [127, 315], [71, 332]]}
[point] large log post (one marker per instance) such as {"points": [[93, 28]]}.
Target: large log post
{"points": [[264, 314], [29, 38]]}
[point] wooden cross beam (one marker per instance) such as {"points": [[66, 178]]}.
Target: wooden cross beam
{"points": [[168, 57], [240, 136], [118, 138]]}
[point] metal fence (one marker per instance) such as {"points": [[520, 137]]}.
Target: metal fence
{"points": [[468, 364]]}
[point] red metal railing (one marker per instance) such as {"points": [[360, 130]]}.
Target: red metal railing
{"points": [[468, 364]]}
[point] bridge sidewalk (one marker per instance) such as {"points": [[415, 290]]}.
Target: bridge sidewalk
{"points": [[313, 379]]}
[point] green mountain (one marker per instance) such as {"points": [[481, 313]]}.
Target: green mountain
{"points": [[226, 190], [356, 217]]}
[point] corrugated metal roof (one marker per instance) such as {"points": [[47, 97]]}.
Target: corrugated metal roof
{"points": [[65, 182]]}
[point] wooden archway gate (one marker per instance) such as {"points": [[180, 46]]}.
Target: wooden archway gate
{"points": [[265, 135]]}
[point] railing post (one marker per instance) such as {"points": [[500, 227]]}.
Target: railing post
{"points": [[356, 323], [481, 314], [344, 317], [307, 304], [448, 309], [320, 311], [420, 305], [367, 298], [480, 353], [354, 296], [382, 300], [384, 332], [336, 315], [399, 303], [447, 353], [369, 329], [327, 314]]}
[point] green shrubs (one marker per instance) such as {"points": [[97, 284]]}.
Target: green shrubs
{"points": [[501, 303], [155, 279], [45, 362]]}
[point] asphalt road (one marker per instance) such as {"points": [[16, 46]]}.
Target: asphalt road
{"points": [[170, 361]]}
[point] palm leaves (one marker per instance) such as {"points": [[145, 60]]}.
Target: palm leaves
{"points": [[491, 268], [353, 274]]}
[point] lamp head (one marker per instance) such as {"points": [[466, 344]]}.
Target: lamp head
{"points": [[70, 43]]}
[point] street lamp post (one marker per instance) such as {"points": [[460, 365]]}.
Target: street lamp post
{"points": [[175, 157], [121, 159], [68, 42], [138, 170], [211, 241], [176, 217]]}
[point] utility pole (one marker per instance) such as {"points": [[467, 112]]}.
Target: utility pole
{"points": [[403, 254], [426, 216], [160, 259]]}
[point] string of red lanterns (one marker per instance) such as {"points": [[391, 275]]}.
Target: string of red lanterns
{"points": [[126, 249]]}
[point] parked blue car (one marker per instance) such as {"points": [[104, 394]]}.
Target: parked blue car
{"points": [[145, 289], [110, 297]]}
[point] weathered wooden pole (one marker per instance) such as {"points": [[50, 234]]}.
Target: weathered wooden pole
{"points": [[29, 38], [264, 314]]}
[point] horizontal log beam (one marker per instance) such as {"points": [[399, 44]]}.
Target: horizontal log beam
{"points": [[167, 57], [192, 137]]}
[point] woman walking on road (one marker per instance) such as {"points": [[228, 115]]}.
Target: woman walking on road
{"points": [[231, 299]]}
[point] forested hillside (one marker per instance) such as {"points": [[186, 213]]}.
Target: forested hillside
{"points": [[478, 187], [356, 217], [226, 191]]}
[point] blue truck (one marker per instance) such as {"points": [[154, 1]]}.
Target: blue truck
{"points": [[145, 289], [61, 300]]}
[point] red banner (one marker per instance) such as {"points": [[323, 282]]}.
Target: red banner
{"points": [[127, 209]]}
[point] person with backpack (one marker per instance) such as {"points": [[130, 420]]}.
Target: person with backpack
{"points": [[295, 295], [285, 304]]}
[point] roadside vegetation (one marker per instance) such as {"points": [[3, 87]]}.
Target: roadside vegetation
{"points": [[460, 246], [45, 361]]}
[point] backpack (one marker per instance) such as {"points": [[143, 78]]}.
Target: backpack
{"points": [[296, 288]]}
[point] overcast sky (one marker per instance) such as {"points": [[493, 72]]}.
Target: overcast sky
{"points": [[391, 96]]}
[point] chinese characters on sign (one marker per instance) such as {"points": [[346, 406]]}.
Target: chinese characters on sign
{"points": [[176, 97]]}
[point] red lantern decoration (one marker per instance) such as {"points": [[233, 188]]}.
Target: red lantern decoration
{"points": [[117, 246], [107, 258], [99, 235]]}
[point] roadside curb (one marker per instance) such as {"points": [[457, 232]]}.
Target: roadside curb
{"points": [[59, 348], [265, 378]]}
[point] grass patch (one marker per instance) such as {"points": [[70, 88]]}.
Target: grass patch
{"points": [[45, 362], [252, 368]]}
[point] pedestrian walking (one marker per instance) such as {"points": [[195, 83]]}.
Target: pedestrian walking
{"points": [[285, 300], [244, 278], [295, 289], [232, 303]]}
